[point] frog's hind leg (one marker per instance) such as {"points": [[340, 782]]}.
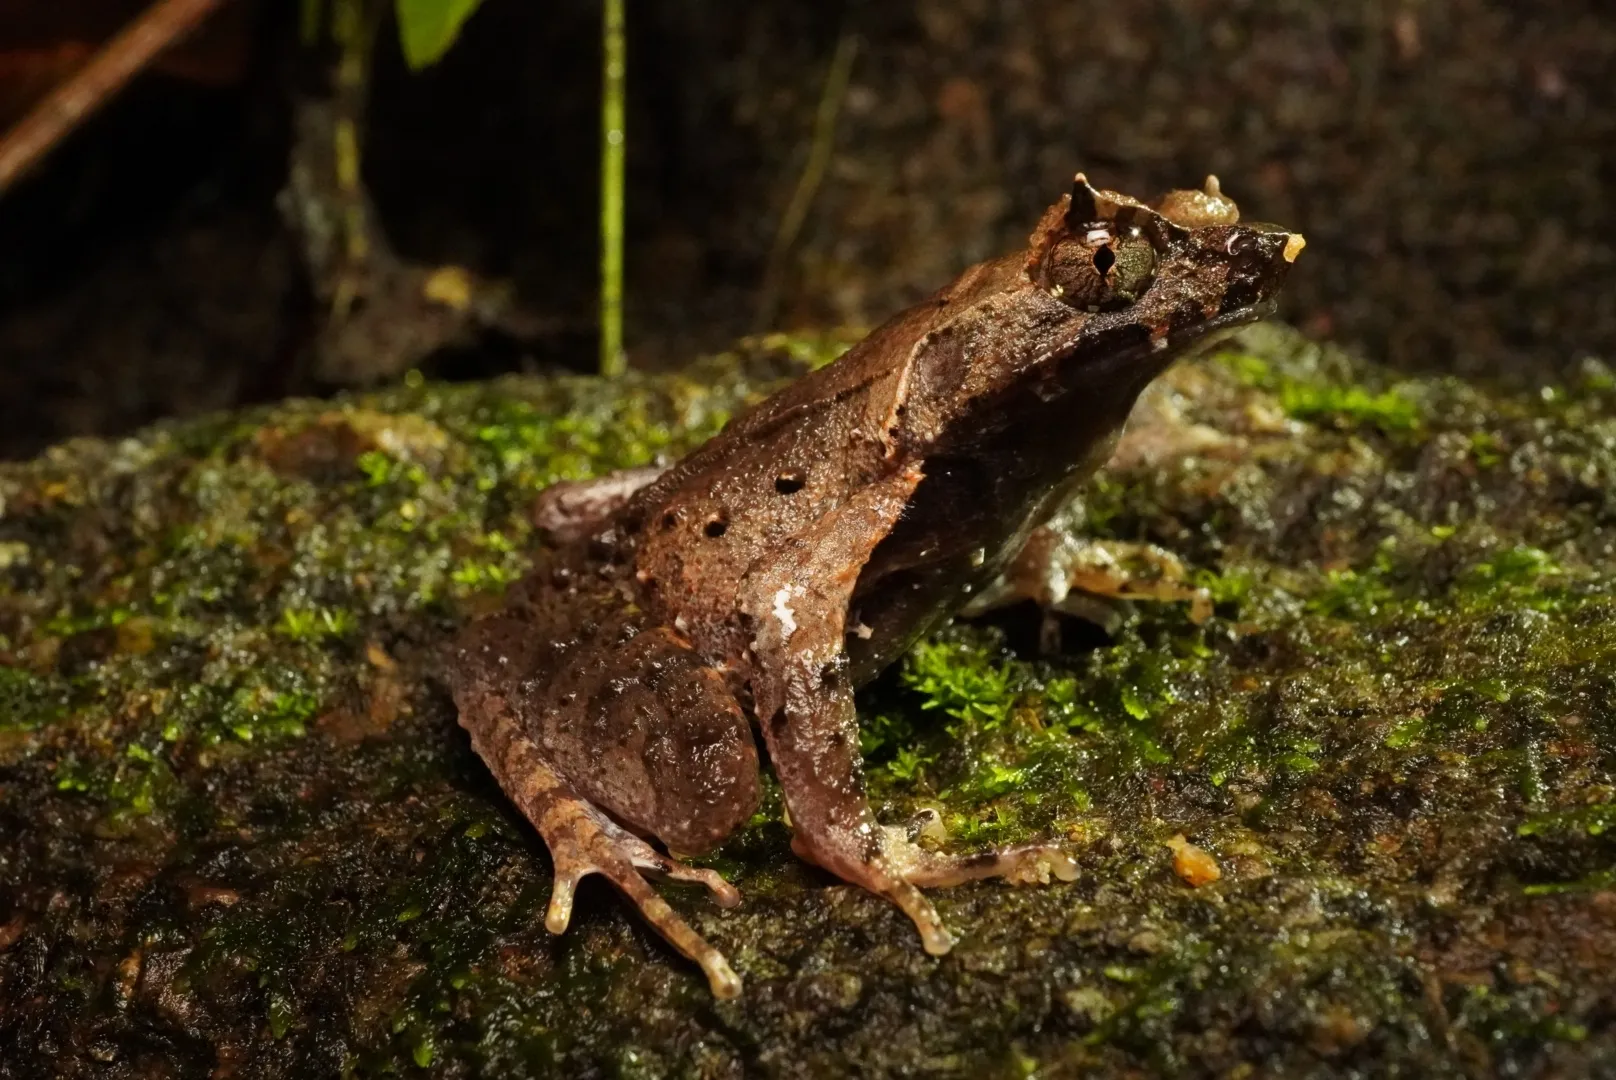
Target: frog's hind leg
{"points": [[584, 841]]}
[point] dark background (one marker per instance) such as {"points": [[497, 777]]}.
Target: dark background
{"points": [[1449, 162]]}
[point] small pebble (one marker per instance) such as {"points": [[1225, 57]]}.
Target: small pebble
{"points": [[1194, 865]]}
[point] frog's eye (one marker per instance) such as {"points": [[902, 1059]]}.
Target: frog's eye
{"points": [[1100, 269], [1129, 266]]}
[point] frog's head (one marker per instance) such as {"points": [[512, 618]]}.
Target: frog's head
{"points": [[1039, 372], [1109, 292], [1148, 283]]}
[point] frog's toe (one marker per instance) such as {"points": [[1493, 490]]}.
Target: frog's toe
{"points": [[725, 895], [935, 938], [647, 857], [584, 841], [1027, 864], [1035, 865], [588, 844], [559, 914]]}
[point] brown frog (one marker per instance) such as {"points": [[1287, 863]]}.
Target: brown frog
{"points": [[788, 560]]}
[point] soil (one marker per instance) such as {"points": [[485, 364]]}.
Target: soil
{"points": [[242, 835]]}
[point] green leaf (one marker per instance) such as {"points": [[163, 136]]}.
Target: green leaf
{"points": [[426, 28]]}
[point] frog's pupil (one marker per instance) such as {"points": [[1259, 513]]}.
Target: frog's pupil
{"points": [[1104, 260]]}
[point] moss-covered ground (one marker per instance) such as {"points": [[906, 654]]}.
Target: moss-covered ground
{"points": [[241, 834]]}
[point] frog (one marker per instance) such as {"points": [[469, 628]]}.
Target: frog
{"points": [[676, 617]]}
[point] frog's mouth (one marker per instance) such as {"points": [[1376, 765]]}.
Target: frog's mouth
{"points": [[1130, 365], [1196, 339]]}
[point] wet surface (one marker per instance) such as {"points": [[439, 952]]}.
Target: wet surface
{"points": [[242, 835]]}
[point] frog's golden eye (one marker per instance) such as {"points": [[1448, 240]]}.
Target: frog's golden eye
{"points": [[1130, 266], [1100, 269]]}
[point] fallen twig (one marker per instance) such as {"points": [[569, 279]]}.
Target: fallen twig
{"points": [[125, 56]]}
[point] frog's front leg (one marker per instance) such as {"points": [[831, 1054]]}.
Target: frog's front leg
{"points": [[804, 704], [571, 509], [1093, 580]]}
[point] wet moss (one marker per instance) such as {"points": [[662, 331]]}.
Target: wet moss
{"points": [[241, 831]]}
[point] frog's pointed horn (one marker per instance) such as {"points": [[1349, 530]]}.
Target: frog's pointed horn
{"points": [[1083, 209], [1162, 231]]}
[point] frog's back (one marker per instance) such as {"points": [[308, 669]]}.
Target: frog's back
{"points": [[777, 469]]}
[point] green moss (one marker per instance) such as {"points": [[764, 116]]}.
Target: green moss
{"points": [[968, 680], [27, 701], [1306, 393], [1350, 406], [1248, 369], [807, 349], [223, 746], [1593, 820], [316, 624], [1601, 881]]}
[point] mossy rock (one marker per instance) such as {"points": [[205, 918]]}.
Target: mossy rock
{"points": [[241, 834]]}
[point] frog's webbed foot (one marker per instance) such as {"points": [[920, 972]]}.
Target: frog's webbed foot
{"points": [[584, 841], [587, 842], [884, 860]]}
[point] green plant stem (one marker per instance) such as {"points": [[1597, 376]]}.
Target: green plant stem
{"points": [[813, 173], [614, 72]]}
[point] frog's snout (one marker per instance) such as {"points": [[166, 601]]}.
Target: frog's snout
{"points": [[1293, 244]]}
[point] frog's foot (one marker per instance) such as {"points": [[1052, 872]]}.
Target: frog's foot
{"points": [[1027, 864], [861, 860], [1092, 580], [584, 841], [570, 509], [896, 868]]}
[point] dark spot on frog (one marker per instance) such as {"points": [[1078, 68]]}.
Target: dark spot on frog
{"points": [[717, 525], [790, 481], [670, 519]]}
